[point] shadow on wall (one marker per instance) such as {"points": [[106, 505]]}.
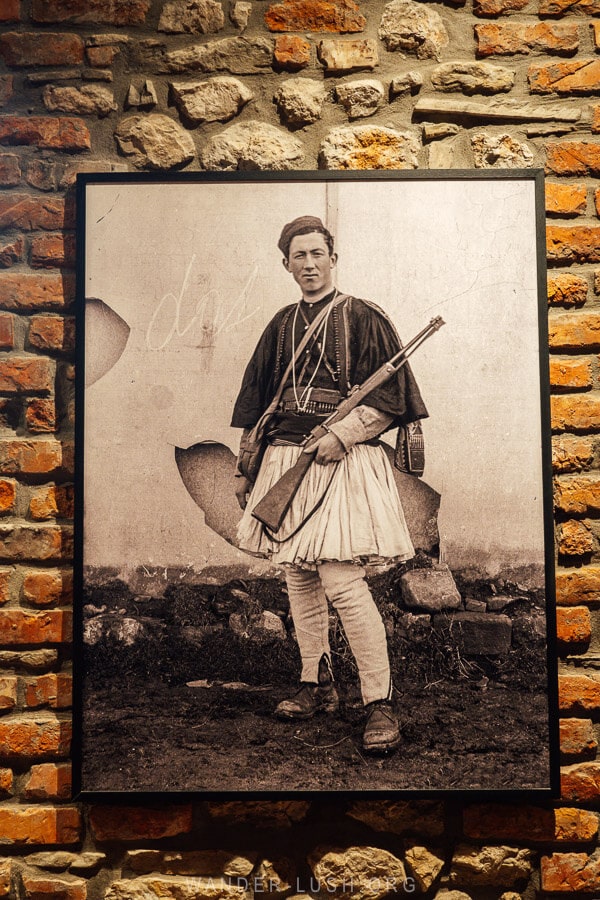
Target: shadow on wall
{"points": [[207, 471]]}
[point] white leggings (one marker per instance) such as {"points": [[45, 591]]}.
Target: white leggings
{"points": [[343, 583]]}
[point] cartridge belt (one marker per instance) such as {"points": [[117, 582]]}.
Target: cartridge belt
{"points": [[317, 401]]}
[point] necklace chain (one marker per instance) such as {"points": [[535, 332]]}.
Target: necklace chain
{"points": [[301, 402]]}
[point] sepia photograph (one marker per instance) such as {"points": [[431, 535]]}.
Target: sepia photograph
{"points": [[314, 530]]}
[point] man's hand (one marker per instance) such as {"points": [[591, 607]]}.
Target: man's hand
{"points": [[243, 486], [327, 449]]}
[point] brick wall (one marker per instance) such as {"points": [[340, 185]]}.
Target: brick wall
{"points": [[90, 85]]}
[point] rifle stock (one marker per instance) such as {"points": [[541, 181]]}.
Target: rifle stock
{"points": [[272, 508]]}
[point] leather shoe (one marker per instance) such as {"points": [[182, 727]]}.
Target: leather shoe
{"points": [[308, 701], [382, 732]]}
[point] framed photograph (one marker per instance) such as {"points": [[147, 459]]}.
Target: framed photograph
{"points": [[314, 529]]}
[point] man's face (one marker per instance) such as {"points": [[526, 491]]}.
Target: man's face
{"points": [[311, 265]]}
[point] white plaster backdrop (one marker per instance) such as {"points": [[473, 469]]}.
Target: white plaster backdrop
{"points": [[194, 271]]}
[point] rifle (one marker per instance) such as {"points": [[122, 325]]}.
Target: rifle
{"points": [[272, 508]]}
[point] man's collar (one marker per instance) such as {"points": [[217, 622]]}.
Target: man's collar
{"points": [[326, 299]]}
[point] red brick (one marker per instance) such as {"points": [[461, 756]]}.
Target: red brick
{"points": [[573, 243], [575, 539], [10, 11], [509, 38], [570, 373], [573, 158], [12, 253], [341, 16], [52, 333], [577, 495], [132, 823], [20, 49], [52, 250], [292, 52], [566, 199], [578, 693], [573, 625], [49, 781], [6, 89], [38, 886], [23, 825], [20, 292], [7, 331], [6, 790], [576, 586], [25, 626], [49, 587], [27, 374], [54, 690], [566, 289], [35, 738], [577, 739], [10, 170], [102, 57], [19, 543], [575, 77], [52, 501], [581, 783], [597, 201], [503, 822], [40, 416], [45, 132], [32, 213], [8, 495], [575, 412], [6, 582], [92, 12], [8, 692]]}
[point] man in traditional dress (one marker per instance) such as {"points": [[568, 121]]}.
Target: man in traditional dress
{"points": [[347, 512]]}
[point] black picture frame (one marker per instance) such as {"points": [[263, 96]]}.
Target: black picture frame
{"points": [[177, 275]]}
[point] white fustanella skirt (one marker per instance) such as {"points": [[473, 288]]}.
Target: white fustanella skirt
{"points": [[360, 519]]}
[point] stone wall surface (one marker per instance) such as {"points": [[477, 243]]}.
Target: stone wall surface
{"points": [[99, 86]]}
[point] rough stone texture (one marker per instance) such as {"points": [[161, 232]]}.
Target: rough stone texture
{"points": [[580, 783], [577, 740], [154, 141], [476, 634], [131, 823], [252, 145], [6, 89], [509, 38], [192, 17], [581, 76], [292, 53], [239, 14], [216, 100], [491, 866], [346, 56], [192, 862], [500, 152], [86, 101], [566, 200], [472, 78], [401, 816], [237, 55], [369, 147], [300, 100], [117, 12], [557, 7], [37, 886], [413, 28], [497, 7], [409, 82], [173, 888], [360, 98], [341, 16], [372, 872], [424, 866], [430, 590], [276, 875], [571, 872]]}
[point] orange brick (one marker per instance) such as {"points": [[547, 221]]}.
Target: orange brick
{"points": [[45, 132], [578, 494], [35, 542], [575, 412], [49, 781], [38, 886], [6, 581], [341, 16], [132, 823], [575, 539], [48, 587], [54, 690], [573, 625], [34, 738], [573, 243], [40, 416], [52, 333], [53, 251], [101, 57], [574, 331], [8, 692], [8, 495], [33, 213], [27, 374], [26, 626], [10, 11], [23, 825], [577, 739], [21, 49], [33, 457], [20, 292], [578, 693], [7, 331], [566, 199], [569, 872], [556, 7], [497, 7], [509, 38], [504, 822], [6, 790], [292, 52], [577, 586], [573, 158], [567, 372], [581, 783], [580, 76]]}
